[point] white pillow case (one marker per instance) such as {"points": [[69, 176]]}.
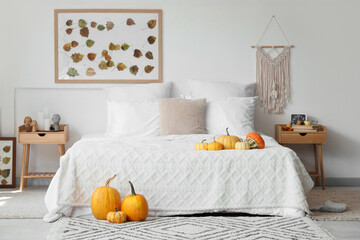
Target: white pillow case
{"points": [[237, 113], [133, 118], [204, 89], [138, 92]]}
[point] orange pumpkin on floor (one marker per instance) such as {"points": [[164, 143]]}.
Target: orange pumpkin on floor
{"points": [[116, 217], [104, 200], [228, 141], [135, 206], [255, 140]]}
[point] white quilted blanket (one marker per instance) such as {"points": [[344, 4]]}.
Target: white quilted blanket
{"points": [[175, 179]]}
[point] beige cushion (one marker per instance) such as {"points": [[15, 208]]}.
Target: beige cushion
{"points": [[182, 116]]}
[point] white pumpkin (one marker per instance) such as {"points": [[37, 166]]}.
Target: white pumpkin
{"points": [[242, 146]]}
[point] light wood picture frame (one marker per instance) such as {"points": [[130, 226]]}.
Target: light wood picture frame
{"points": [[108, 45], [7, 162]]}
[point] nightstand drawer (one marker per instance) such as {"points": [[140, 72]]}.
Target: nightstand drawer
{"points": [[303, 138], [44, 137]]}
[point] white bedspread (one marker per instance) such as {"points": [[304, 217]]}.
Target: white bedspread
{"points": [[175, 179]]}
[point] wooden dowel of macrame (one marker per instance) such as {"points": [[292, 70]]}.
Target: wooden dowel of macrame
{"points": [[281, 46]]}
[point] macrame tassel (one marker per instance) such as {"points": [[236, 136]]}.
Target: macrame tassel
{"points": [[273, 80]]}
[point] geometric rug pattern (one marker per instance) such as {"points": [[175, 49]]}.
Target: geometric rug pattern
{"points": [[249, 228]]}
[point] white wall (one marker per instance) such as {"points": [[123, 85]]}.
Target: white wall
{"points": [[208, 40]]}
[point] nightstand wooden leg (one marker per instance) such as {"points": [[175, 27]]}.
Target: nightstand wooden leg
{"points": [[27, 163], [61, 149], [316, 166], [321, 167], [22, 168]]}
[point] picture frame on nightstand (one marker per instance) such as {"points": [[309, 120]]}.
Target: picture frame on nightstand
{"points": [[298, 117]]}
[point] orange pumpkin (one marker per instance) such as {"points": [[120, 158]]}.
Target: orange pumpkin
{"points": [[255, 140], [116, 217], [215, 146], [135, 206], [228, 141], [104, 199], [201, 146]]}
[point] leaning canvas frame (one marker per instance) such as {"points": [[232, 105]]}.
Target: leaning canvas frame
{"points": [[130, 27], [7, 162]]}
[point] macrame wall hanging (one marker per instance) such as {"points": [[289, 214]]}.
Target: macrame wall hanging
{"points": [[272, 74]]}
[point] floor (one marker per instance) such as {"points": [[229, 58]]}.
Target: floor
{"points": [[27, 229]]}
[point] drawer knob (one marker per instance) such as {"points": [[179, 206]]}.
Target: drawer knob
{"points": [[302, 134], [41, 134]]}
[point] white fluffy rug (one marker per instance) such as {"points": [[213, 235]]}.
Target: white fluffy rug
{"points": [[249, 228], [26, 204]]}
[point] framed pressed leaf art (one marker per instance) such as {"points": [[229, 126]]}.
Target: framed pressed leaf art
{"points": [[7, 162], [108, 45]]}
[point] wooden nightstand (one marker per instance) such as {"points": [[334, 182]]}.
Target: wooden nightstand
{"points": [[316, 138], [40, 137]]}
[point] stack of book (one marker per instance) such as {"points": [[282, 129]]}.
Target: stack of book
{"points": [[304, 128]]}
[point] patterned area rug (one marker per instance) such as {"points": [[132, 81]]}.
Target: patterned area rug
{"points": [[191, 228], [352, 198]]}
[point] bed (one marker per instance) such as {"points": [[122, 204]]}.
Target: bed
{"points": [[175, 179]]}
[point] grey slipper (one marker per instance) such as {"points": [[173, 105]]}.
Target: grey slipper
{"points": [[330, 206]]}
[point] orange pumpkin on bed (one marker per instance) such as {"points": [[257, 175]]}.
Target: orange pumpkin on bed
{"points": [[255, 140], [228, 141]]}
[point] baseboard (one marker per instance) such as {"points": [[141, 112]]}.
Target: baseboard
{"points": [[328, 182], [342, 181]]}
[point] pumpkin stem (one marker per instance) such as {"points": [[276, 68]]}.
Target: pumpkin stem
{"points": [[214, 139], [116, 209], [132, 189], [108, 181], [203, 141], [227, 131]]}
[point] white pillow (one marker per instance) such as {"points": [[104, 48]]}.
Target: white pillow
{"points": [[203, 89], [133, 118], [138, 91], [237, 113]]}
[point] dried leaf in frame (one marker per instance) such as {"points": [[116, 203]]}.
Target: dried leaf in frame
{"points": [[110, 64], [77, 57], [93, 24], [90, 72], [134, 70], [137, 53], [69, 22], [148, 69], [130, 22], [100, 27], [7, 149], [90, 43], [74, 44], [67, 47], [69, 31], [125, 46], [103, 65], [107, 58], [121, 66], [104, 53], [91, 56], [151, 39], [6, 160], [4, 182], [151, 23], [84, 32], [109, 25], [82, 23], [149, 55], [72, 72]]}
